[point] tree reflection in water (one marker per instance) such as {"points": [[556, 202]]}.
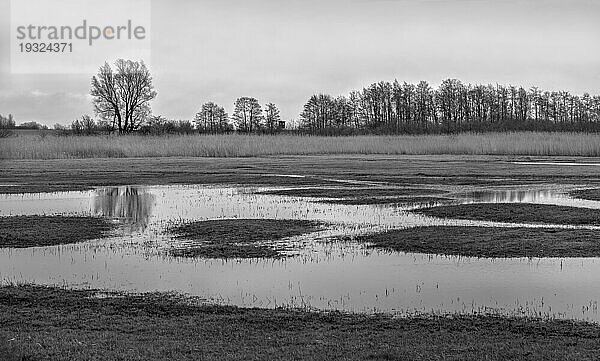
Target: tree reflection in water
{"points": [[130, 205]]}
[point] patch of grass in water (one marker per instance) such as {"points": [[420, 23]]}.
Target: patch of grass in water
{"points": [[592, 194], [488, 241], [516, 213], [238, 238], [41, 231], [397, 201], [353, 192], [51, 323]]}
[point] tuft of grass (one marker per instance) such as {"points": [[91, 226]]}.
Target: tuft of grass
{"points": [[237, 145], [516, 213], [237, 238], [488, 241], [41, 231], [57, 324]]}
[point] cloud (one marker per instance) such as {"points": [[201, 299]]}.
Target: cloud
{"points": [[44, 107]]}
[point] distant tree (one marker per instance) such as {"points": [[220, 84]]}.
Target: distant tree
{"points": [[89, 125], [32, 126], [84, 125], [272, 117], [123, 95], [212, 118], [7, 122], [154, 124], [77, 127], [247, 115], [158, 125], [318, 113], [184, 127]]}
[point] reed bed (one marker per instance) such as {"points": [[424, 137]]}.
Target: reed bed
{"points": [[236, 145]]}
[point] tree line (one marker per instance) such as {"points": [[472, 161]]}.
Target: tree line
{"points": [[394, 108], [8, 125], [121, 99]]}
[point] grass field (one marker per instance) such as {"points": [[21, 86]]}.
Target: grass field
{"points": [[51, 323], [40, 231], [517, 213], [234, 145], [488, 242]]}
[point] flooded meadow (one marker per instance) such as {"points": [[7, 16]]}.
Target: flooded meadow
{"points": [[322, 270]]}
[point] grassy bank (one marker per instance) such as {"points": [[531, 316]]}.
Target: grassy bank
{"points": [[488, 241], [516, 213], [592, 194], [38, 323], [41, 231], [237, 238], [233, 145]]}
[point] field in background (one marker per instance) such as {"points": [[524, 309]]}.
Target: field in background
{"points": [[236, 145]]}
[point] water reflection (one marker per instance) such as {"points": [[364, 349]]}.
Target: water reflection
{"points": [[130, 205], [514, 196], [324, 275]]}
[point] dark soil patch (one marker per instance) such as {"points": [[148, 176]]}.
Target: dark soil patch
{"points": [[50, 324], [40, 231], [238, 238], [516, 213], [489, 242]]}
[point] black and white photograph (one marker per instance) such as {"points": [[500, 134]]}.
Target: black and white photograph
{"points": [[299, 180]]}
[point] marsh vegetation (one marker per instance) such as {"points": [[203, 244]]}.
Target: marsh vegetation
{"points": [[51, 323], [43, 231], [249, 145], [517, 213], [221, 230], [238, 238], [489, 242]]}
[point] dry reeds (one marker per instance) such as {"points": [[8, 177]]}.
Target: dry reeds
{"points": [[235, 145]]}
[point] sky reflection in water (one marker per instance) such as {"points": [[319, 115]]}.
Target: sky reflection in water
{"points": [[324, 275]]}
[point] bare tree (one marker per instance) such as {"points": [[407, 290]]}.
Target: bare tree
{"points": [[247, 114], [212, 118], [272, 117], [105, 98], [123, 95]]}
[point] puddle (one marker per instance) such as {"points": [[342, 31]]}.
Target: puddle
{"points": [[324, 275], [551, 197]]}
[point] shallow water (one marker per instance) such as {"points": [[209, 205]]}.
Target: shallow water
{"points": [[324, 275]]}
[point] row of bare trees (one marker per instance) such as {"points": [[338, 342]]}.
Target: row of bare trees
{"points": [[386, 107], [121, 98], [248, 116]]}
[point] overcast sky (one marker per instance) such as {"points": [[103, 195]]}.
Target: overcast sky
{"points": [[283, 51]]}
